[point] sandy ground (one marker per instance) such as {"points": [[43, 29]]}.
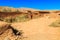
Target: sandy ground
{"points": [[39, 29]]}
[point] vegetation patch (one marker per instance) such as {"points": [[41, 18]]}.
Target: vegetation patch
{"points": [[19, 18], [56, 23], [22, 18]]}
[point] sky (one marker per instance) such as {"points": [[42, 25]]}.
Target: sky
{"points": [[36, 4]]}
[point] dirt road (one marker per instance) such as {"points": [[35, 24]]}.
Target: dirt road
{"points": [[38, 29]]}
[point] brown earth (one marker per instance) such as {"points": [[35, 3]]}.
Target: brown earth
{"points": [[38, 29], [35, 29]]}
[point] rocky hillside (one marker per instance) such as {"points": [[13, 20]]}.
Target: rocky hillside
{"points": [[17, 14], [13, 27], [10, 14]]}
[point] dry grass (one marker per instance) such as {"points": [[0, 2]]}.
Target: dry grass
{"points": [[20, 18], [56, 23]]}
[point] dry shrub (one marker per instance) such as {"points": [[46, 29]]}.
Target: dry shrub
{"points": [[56, 23], [20, 18]]}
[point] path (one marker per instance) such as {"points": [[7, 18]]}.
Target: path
{"points": [[38, 29]]}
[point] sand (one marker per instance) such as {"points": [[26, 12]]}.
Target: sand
{"points": [[39, 29]]}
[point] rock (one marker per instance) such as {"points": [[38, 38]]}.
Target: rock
{"points": [[3, 27]]}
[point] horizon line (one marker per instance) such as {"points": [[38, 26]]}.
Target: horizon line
{"points": [[29, 8]]}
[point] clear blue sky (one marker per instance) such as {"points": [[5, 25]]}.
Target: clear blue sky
{"points": [[37, 4]]}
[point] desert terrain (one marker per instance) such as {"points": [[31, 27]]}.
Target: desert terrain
{"points": [[33, 29]]}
